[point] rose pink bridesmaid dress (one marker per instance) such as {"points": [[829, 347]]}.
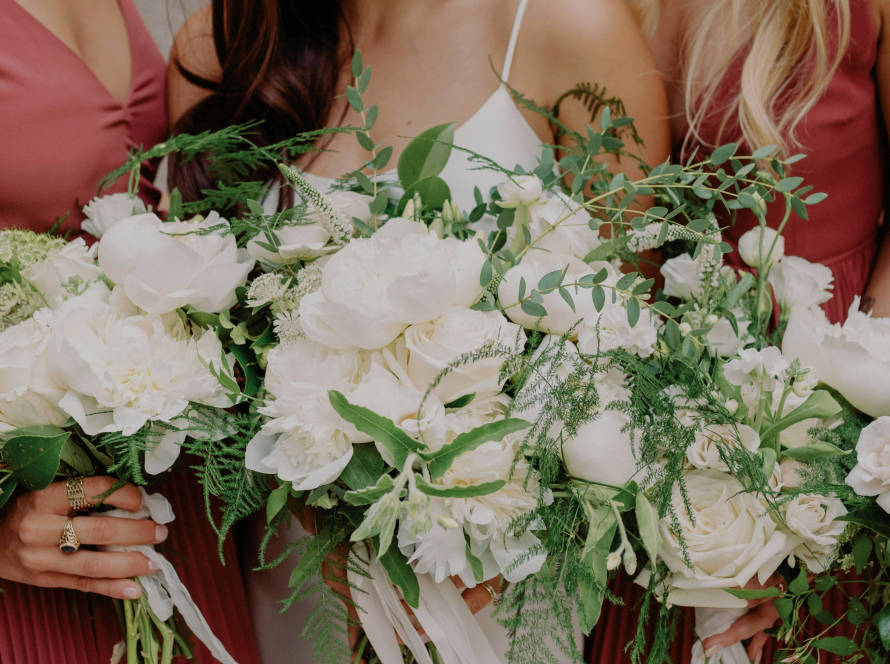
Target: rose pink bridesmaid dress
{"points": [[61, 132], [843, 139]]}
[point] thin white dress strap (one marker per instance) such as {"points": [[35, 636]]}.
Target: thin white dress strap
{"points": [[514, 35]]}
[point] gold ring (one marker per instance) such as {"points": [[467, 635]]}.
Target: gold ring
{"points": [[68, 542], [782, 587], [494, 595], [76, 498]]}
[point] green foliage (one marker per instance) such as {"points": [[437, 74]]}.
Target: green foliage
{"points": [[33, 453]]}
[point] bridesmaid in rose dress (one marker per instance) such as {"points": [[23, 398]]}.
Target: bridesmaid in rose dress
{"points": [[81, 84], [780, 98]]}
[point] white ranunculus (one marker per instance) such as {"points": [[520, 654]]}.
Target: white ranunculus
{"points": [[104, 211], [812, 518], [75, 260], [681, 277], [757, 245], [722, 338], [871, 475], [705, 450], [164, 266], [800, 284], [559, 318], [432, 347], [729, 538], [754, 366], [374, 288], [297, 243], [305, 441], [28, 394], [521, 190], [123, 368], [853, 358]]}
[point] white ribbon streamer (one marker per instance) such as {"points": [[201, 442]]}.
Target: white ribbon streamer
{"points": [[442, 613], [163, 589], [709, 622]]}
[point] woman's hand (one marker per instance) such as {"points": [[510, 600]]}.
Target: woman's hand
{"points": [[30, 527]]}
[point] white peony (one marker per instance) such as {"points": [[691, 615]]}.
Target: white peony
{"points": [[799, 284], [729, 538], [123, 368], [681, 277], [75, 260], [353, 204], [761, 245], [705, 451], [105, 211], [871, 475], [559, 318], [28, 394], [305, 441], [164, 266], [853, 358], [610, 329], [812, 518], [374, 288]]}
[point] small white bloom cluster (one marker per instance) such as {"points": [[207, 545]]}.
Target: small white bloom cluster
{"points": [[332, 217], [267, 288]]}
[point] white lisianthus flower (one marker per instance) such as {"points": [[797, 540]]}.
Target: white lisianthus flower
{"points": [[303, 242], [521, 190], [164, 266], [722, 338], [799, 284], [28, 394], [681, 277], [75, 260], [433, 347], [704, 453], [305, 441], [104, 211], [753, 366], [853, 358], [812, 518], [559, 318], [756, 246], [729, 538], [374, 288], [123, 368], [871, 475]]}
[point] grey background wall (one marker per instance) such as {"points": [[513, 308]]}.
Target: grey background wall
{"points": [[164, 18]]}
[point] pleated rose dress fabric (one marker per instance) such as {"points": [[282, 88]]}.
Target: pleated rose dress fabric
{"points": [[61, 132], [844, 141]]}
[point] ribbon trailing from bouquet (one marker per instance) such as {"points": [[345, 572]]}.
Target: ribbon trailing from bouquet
{"points": [[442, 613], [163, 589], [709, 622]]}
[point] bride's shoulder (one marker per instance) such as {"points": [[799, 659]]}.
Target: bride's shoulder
{"points": [[194, 65]]}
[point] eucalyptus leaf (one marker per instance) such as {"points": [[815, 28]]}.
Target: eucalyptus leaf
{"points": [[433, 192], [440, 460], [33, 454], [426, 155]]}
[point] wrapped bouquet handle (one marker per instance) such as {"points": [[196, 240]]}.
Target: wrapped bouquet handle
{"points": [[709, 622], [163, 589], [442, 613]]}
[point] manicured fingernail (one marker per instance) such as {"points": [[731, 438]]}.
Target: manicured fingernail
{"points": [[131, 592], [160, 533], [713, 650], [152, 567]]}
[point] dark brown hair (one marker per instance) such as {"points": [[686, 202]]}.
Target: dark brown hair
{"points": [[280, 62]]}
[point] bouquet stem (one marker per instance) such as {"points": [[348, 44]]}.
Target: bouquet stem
{"points": [[142, 628]]}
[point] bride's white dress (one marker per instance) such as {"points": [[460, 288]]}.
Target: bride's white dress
{"points": [[498, 131]]}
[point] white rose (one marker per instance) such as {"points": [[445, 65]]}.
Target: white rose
{"points": [[28, 394], [563, 226], [164, 266], [432, 347], [76, 259], [722, 338], [797, 283], [374, 288], [853, 358], [105, 211], [123, 369], [812, 518], [559, 318], [790, 477], [352, 204], [297, 243], [729, 538], [601, 451], [705, 450], [681, 278], [759, 242], [305, 441], [871, 475], [520, 190]]}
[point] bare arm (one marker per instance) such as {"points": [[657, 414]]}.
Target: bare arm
{"points": [[879, 285]]}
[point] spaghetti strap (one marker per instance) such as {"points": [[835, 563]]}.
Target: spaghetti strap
{"points": [[514, 35]]}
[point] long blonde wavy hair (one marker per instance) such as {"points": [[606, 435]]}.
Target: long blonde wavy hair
{"points": [[789, 60]]}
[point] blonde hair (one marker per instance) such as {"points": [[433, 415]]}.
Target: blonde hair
{"points": [[789, 60]]}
